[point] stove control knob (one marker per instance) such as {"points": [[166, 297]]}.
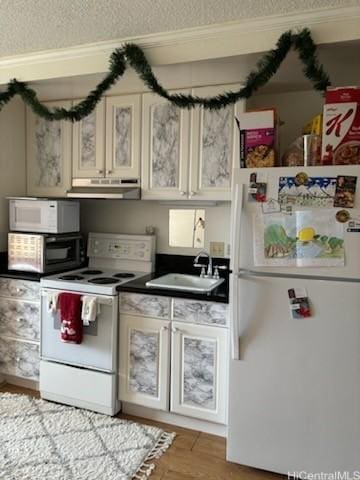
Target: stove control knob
{"points": [[95, 250]]}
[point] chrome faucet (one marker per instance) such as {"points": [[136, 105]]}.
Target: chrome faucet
{"points": [[203, 253]]}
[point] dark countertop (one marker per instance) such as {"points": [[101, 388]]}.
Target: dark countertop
{"points": [[179, 264], [220, 294], [17, 275]]}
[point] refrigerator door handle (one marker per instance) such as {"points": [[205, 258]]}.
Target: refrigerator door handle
{"points": [[244, 273], [236, 208]]}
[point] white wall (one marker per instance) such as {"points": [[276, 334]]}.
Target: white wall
{"points": [[125, 216], [12, 160]]}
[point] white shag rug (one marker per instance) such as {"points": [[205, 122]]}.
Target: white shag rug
{"points": [[41, 440]]}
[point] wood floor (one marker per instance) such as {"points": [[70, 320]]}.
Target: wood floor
{"points": [[192, 456]]}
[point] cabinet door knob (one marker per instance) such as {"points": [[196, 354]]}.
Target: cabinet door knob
{"points": [[164, 327], [100, 171], [109, 172], [175, 329], [192, 193], [19, 319], [182, 193]]}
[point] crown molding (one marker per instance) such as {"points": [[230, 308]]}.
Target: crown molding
{"points": [[214, 41]]}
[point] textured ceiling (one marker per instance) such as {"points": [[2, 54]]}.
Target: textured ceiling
{"points": [[33, 25]]}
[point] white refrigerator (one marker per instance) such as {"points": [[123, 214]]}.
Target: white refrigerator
{"points": [[294, 389]]}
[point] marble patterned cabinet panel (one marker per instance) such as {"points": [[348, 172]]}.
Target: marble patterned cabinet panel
{"points": [[165, 146], [24, 289], [122, 137], [207, 313], [19, 319], [88, 139], [48, 148], [48, 153], [20, 359], [145, 305], [144, 357], [199, 373], [216, 146]]}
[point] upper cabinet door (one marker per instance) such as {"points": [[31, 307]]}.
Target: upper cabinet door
{"points": [[48, 154], [123, 136], [89, 144], [165, 149], [215, 147]]}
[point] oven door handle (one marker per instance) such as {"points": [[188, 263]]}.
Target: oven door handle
{"points": [[101, 300], [51, 238]]}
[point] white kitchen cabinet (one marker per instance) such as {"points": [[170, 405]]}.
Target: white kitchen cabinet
{"points": [[188, 154], [89, 144], [19, 328], [144, 361], [165, 149], [20, 319], [48, 154], [107, 142], [199, 371], [122, 136], [215, 147], [196, 339], [19, 359]]}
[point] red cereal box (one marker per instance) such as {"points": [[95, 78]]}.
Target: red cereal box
{"points": [[341, 127]]}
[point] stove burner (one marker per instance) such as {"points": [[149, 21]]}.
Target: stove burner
{"points": [[71, 277], [91, 272], [103, 280], [124, 275]]}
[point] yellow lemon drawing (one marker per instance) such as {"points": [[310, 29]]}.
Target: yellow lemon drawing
{"points": [[306, 234]]}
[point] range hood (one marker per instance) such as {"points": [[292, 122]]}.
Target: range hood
{"points": [[115, 188]]}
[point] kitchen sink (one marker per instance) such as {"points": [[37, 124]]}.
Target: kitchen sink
{"points": [[189, 283]]}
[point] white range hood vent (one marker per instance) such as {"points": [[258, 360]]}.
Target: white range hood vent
{"points": [[115, 188]]}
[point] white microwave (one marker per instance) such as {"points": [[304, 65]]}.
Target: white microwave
{"points": [[44, 215]]}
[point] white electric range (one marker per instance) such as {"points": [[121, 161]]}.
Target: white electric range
{"points": [[84, 375]]}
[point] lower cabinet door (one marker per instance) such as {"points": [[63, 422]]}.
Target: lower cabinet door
{"points": [[199, 371], [144, 361], [19, 358]]}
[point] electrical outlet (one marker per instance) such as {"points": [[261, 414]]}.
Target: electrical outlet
{"points": [[217, 249]]}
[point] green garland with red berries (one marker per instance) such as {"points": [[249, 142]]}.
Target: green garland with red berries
{"points": [[131, 55]]}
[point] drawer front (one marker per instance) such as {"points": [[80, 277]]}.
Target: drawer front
{"points": [[19, 319], [20, 359], [205, 313], [145, 305], [26, 289]]}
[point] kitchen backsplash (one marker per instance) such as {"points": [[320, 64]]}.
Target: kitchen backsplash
{"points": [[132, 217]]}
